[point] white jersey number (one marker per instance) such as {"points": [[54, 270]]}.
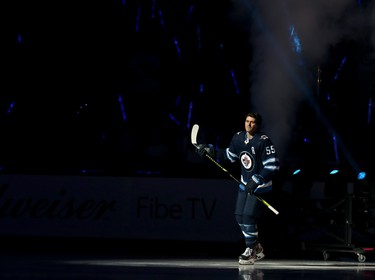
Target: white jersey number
{"points": [[270, 150]]}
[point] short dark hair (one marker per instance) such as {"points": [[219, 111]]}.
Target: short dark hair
{"points": [[257, 117]]}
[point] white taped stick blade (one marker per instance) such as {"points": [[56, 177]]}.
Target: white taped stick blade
{"points": [[194, 134]]}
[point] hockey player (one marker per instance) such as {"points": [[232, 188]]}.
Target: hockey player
{"points": [[259, 164]]}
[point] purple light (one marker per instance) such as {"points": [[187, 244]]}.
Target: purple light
{"points": [[122, 107], [174, 119], [178, 99], [306, 140], [138, 18], [177, 47], [340, 68], [161, 20], [328, 96], [235, 81], [189, 12], [11, 105], [335, 148], [201, 88], [369, 111], [153, 9], [189, 113]]}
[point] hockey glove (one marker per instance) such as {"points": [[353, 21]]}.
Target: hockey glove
{"points": [[203, 149], [254, 183]]}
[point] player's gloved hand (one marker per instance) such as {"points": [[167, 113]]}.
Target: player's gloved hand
{"points": [[203, 149], [254, 183]]}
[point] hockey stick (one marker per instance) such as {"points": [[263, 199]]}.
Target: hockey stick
{"points": [[194, 134]]}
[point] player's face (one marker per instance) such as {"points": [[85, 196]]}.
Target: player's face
{"points": [[250, 125]]}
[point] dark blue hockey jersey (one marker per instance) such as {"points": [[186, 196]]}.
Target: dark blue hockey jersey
{"points": [[256, 156]]}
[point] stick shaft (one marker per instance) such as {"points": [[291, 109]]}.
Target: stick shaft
{"points": [[238, 181], [194, 134]]}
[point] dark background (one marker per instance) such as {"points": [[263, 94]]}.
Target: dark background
{"points": [[113, 88]]}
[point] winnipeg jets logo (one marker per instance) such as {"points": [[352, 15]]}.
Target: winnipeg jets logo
{"points": [[247, 160]]}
